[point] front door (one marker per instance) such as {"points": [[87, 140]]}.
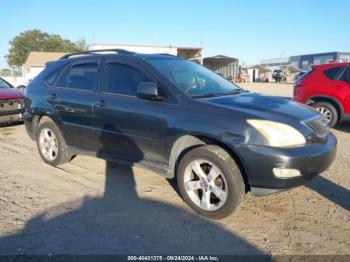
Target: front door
{"points": [[344, 86], [127, 127]]}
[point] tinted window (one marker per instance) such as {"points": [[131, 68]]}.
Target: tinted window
{"points": [[52, 77], [80, 76], [332, 72], [346, 75], [122, 79]]}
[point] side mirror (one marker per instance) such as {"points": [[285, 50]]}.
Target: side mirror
{"points": [[148, 90], [21, 86]]}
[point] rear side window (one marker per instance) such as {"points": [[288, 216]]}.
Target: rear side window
{"points": [[122, 79], [346, 75], [333, 73], [81, 76], [52, 77]]}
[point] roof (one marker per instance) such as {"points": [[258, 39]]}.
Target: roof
{"points": [[159, 46], [219, 59], [332, 64], [116, 52], [260, 67], [39, 59]]}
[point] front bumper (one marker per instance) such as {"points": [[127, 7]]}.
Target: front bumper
{"points": [[11, 111], [10, 117], [310, 160]]}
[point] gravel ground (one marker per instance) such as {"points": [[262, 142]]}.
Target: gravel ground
{"points": [[91, 206]]}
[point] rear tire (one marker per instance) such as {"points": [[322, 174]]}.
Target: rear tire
{"points": [[328, 111], [51, 145], [210, 181]]}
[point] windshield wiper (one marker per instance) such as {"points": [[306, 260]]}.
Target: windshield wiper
{"points": [[206, 95], [233, 92]]}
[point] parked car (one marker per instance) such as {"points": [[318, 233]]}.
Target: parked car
{"points": [[277, 75], [11, 103], [179, 119], [326, 88]]}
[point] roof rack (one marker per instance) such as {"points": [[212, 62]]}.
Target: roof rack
{"points": [[92, 52]]}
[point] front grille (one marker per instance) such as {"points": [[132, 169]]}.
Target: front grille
{"points": [[11, 105], [318, 125]]}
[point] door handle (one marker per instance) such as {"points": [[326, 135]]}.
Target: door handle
{"points": [[51, 97], [100, 103], [338, 87]]}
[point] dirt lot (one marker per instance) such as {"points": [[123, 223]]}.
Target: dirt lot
{"points": [[92, 207]]}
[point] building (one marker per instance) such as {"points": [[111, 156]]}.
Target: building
{"points": [[255, 73], [228, 66], [36, 62], [190, 53], [305, 61]]}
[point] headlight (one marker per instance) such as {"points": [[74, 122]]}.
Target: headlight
{"points": [[278, 134]]}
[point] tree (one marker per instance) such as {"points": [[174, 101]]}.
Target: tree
{"points": [[36, 40]]}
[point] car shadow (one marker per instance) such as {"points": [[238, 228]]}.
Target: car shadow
{"points": [[345, 127], [333, 192], [121, 222]]}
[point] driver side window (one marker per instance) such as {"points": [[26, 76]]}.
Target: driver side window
{"points": [[122, 79], [346, 75]]}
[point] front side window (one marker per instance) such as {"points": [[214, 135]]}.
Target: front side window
{"points": [[80, 76], [192, 79], [4, 84], [122, 79]]}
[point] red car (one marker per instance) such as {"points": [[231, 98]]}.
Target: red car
{"points": [[326, 88], [11, 103]]}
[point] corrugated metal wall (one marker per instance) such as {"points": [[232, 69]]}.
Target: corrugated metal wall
{"points": [[229, 70]]}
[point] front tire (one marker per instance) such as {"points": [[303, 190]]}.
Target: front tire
{"points": [[328, 111], [51, 145], [210, 181]]}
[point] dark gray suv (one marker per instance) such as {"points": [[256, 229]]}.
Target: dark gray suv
{"points": [[178, 119]]}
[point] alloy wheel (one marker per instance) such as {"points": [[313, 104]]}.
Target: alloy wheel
{"points": [[205, 185], [48, 144], [326, 113]]}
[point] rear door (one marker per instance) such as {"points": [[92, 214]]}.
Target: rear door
{"points": [[72, 97], [127, 127]]}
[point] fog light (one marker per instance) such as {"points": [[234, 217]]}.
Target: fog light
{"points": [[285, 172]]}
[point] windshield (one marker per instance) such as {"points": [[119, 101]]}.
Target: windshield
{"points": [[192, 79], [4, 84]]}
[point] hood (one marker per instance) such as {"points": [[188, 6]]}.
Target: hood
{"points": [[10, 93], [264, 106]]}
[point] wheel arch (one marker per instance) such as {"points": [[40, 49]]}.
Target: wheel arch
{"points": [[187, 142], [37, 119], [323, 98]]}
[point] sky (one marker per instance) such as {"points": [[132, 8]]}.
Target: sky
{"points": [[249, 30]]}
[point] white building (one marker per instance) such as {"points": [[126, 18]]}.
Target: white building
{"points": [[191, 53], [36, 62]]}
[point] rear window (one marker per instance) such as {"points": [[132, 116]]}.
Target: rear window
{"points": [[303, 75], [332, 73]]}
